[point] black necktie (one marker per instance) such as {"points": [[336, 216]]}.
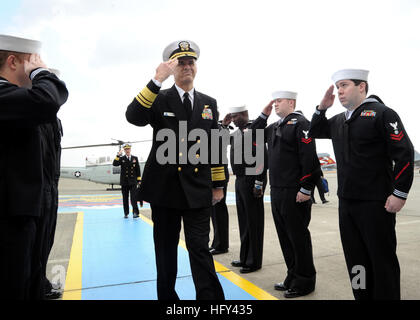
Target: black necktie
{"points": [[187, 105]]}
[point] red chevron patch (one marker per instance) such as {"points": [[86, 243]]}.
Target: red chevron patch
{"points": [[397, 137], [307, 141]]}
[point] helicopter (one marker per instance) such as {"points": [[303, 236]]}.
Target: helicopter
{"points": [[99, 169]]}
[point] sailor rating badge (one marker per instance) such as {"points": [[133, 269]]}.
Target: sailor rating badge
{"points": [[306, 140], [207, 113], [397, 135]]}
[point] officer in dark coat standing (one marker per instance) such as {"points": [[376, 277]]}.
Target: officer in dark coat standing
{"points": [[22, 112], [129, 179], [293, 167], [249, 185], [180, 181], [375, 160]]}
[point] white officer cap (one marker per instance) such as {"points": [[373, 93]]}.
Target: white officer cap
{"points": [[15, 44], [350, 74], [284, 95], [127, 146], [238, 109], [181, 48]]}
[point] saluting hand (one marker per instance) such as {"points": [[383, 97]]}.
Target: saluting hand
{"points": [[268, 108], [394, 204], [227, 119], [33, 63], [165, 69], [328, 99]]}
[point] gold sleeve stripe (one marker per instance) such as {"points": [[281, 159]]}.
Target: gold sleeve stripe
{"points": [[142, 102], [139, 178], [117, 158], [218, 174], [148, 94]]}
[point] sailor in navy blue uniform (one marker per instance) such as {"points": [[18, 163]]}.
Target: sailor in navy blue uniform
{"points": [[30, 96], [293, 169], [375, 171], [250, 182]]}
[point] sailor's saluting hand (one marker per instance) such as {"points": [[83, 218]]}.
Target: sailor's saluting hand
{"points": [[328, 99], [33, 63], [268, 108], [165, 69]]}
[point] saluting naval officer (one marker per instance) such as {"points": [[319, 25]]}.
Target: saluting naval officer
{"points": [[130, 177], [293, 169], [375, 171], [183, 186], [30, 95], [249, 188]]}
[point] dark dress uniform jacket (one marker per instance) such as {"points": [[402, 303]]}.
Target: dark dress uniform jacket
{"points": [[21, 112], [365, 148], [130, 170], [292, 158], [259, 170], [180, 185]]}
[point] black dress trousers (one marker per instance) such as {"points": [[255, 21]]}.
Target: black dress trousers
{"points": [[369, 241], [166, 228], [292, 221], [251, 221]]}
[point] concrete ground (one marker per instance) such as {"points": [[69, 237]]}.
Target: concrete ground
{"points": [[332, 279]]}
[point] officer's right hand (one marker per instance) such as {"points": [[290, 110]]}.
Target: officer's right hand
{"points": [[120, 153], [328, 99], [165, 69], [33, 63]]}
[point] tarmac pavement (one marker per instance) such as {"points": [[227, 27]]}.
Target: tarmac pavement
{"points": [[332, 278]]}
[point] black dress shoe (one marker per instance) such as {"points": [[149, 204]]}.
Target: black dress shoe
{"points": [[52, 295], [280, 286], [215, 251], [246, 269], [135, 215], [237, 263], [125, 216], [292, 293]]}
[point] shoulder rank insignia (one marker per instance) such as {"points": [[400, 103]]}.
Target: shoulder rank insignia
{"points": [[396, 135], [368, 113], [306, 140], [207, 113]]}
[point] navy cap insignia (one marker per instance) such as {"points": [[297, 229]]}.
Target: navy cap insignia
{"points": [[184, 46]]}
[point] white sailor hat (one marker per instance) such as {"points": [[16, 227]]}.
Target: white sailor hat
{"points": [[127, 146], [181, 48], [284, 95], [350, 74], [15, 44], [238, 109]]}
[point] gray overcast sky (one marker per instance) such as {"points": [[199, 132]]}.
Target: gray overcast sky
{"points": [[108, 50]]}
